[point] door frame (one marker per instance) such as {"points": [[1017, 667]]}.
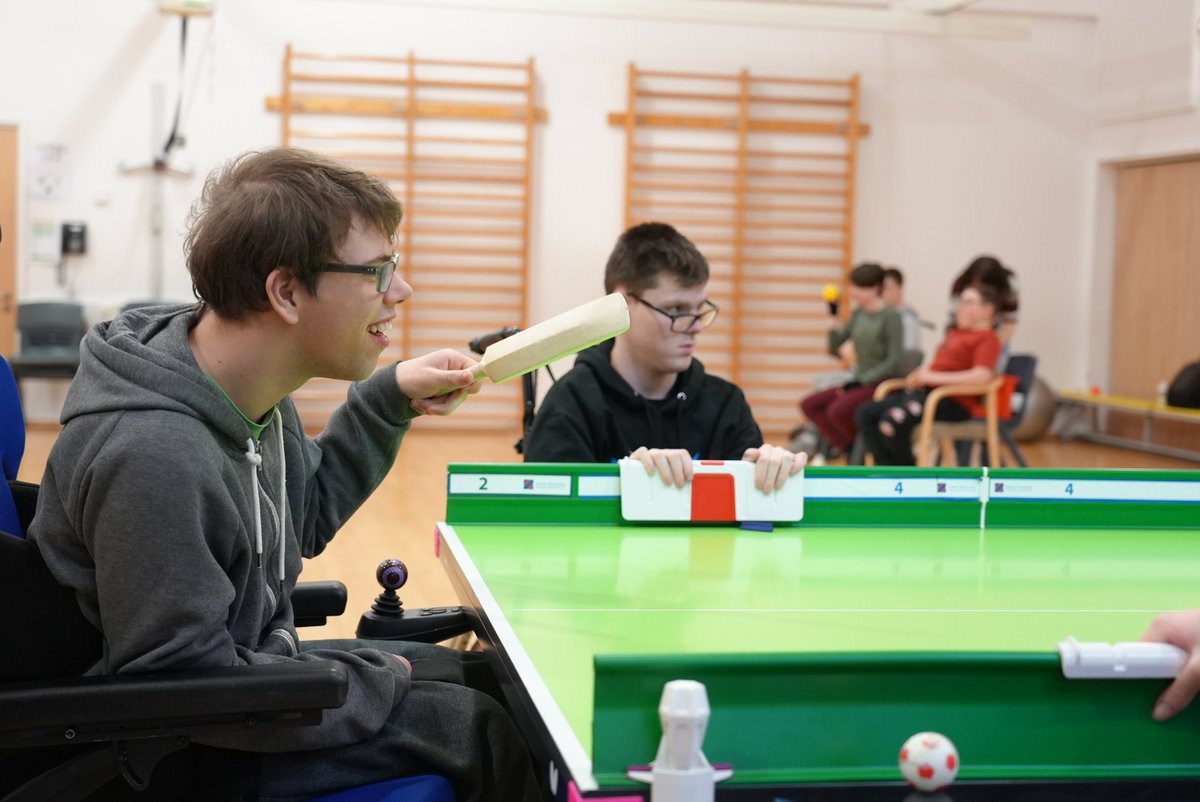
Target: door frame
{"points": [[10, 220]]}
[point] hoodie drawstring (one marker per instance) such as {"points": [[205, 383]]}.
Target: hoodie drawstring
{"points": [[680, 400], [283, 503], [255, 459]]}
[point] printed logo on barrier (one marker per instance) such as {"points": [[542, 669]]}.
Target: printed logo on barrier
{"points": [[999, 488], [528, 484], [941, 487]]}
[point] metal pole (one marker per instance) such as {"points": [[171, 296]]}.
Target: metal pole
{"points": [[158, 107]]}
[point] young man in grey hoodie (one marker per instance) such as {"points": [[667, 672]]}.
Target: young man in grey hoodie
{"points": [[182, 492]]}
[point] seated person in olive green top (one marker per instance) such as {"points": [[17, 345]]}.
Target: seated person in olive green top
{"points": [[876, 334]]}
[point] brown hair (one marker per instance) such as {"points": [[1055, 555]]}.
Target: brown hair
{"points": [[867, 275], [281, 207], [646, 250], [988, 270]]}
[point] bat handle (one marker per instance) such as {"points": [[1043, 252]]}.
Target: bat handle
{"points": [[477, 371]]}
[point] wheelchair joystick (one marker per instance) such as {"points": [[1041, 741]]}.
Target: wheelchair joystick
{"points": [[391, 575], [388, 620]]}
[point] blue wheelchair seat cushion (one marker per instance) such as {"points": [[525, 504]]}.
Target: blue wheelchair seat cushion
{"points": [[420, 788]]}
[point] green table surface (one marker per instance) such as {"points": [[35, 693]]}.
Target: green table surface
{"points": [[571, 593]]}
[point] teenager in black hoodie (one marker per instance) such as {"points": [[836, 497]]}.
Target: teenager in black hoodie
{"points": [[644, 395]]}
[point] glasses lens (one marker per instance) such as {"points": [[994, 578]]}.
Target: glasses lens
{"points": [[684, 323], [384, 276]]}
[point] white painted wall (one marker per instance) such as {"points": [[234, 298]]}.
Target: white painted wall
{"points": [[976, 147]]}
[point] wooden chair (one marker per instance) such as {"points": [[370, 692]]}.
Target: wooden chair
{"points": [[1019, 375], [945, 432]]}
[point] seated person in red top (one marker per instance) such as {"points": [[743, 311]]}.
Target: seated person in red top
{"points": [[967, 356]]}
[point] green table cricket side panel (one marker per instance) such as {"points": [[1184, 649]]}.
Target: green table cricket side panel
{"points": [[475, 496], [1040, 497], [485, 505], [840, 717], [856, 496]]}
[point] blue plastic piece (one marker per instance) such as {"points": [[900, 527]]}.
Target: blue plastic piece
{"points": [[421, 788]]}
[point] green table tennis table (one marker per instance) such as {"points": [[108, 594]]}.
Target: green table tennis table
{"points": [[904, 600]]}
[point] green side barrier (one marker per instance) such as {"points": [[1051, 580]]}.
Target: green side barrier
{"points": [[843, 717], [1063, 499]]}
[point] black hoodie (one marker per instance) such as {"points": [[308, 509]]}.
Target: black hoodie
{"points": [[592, 415]]}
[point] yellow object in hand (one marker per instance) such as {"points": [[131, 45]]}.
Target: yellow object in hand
{"points": [[832, 294]]}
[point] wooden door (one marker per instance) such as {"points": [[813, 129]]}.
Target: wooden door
{"points": [[8, 244], [1156, 286]]}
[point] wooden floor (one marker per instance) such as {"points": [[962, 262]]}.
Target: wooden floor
{"points": [[398, 520]]}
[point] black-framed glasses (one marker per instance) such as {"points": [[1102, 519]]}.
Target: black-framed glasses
{"points": [[383, 271], [707, 315]]}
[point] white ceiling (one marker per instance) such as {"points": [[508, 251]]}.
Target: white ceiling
{"points": [[1030, 8], [988, 19]]}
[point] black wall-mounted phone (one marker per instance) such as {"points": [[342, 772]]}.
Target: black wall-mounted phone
{"points": [[74, 237]]}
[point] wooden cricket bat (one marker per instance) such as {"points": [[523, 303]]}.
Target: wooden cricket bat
{"points": [[561, 335]]}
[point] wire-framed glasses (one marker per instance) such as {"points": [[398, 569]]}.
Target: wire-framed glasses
{"points": [[683, 322]]}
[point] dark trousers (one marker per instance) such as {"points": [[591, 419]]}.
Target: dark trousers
{"points": [[902, 413], [441, 726], [449, 723], [833, 411]]}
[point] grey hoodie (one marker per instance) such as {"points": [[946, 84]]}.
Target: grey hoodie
{"points": [[153, 506]]}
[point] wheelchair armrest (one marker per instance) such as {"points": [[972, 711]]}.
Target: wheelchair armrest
{"points": [[25, 495], [225, 699], [314, 602]]}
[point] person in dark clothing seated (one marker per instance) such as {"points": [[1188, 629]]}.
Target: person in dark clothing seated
{"points": [[644, 395], [1184, 389]]}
